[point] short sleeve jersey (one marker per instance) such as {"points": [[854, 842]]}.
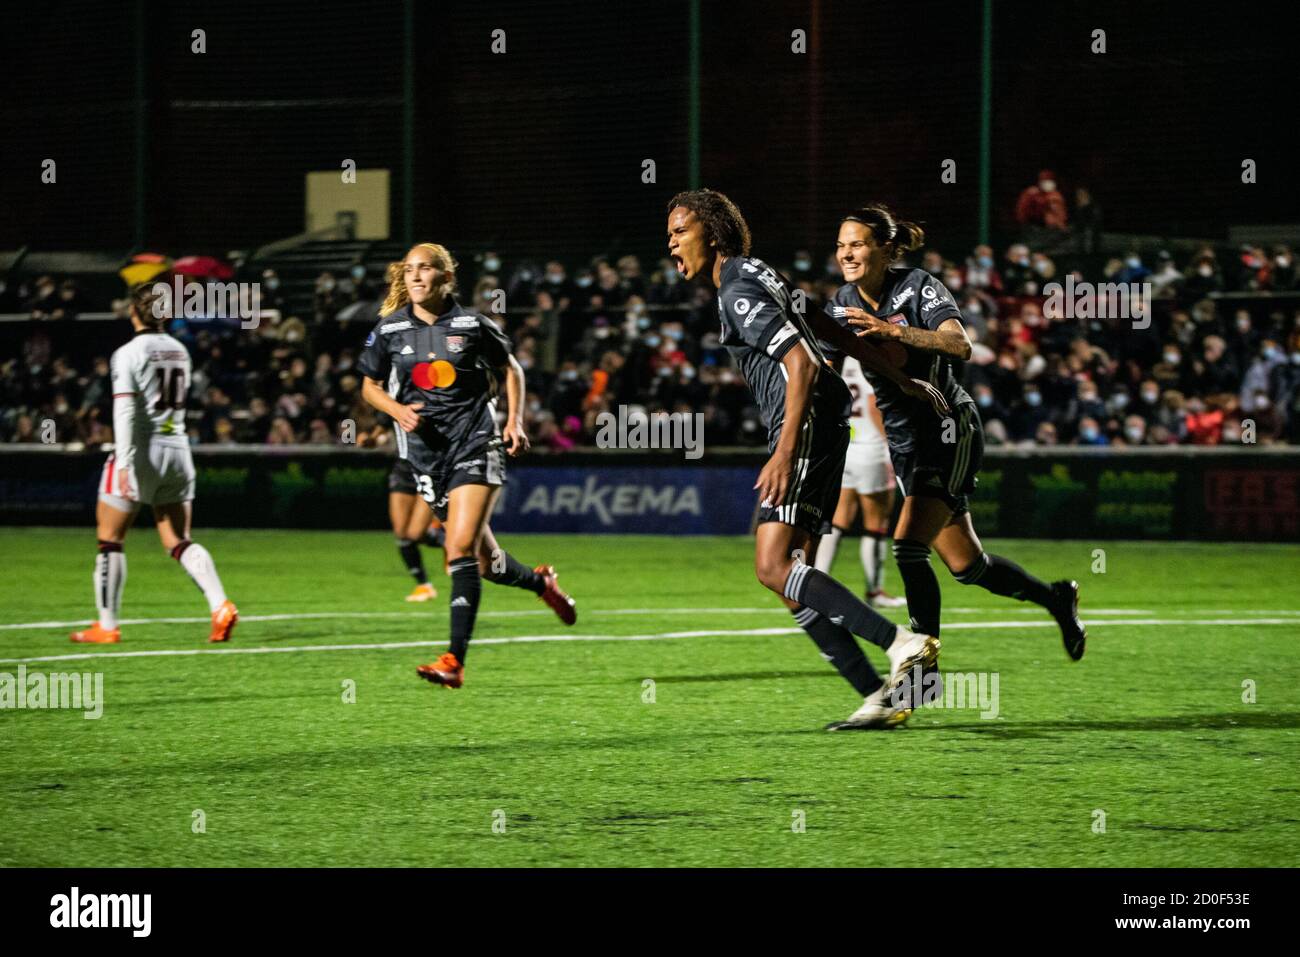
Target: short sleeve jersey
{"points": [[759, 326], [154, 369], [451, 366], [910, 297]]}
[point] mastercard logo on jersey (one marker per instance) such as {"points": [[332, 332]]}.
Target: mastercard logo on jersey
{"points": [[433, 375]]}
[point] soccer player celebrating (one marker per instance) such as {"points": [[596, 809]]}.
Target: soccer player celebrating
{"points": [[936, 458], [445, 365], [804, 406], [151, 465], [867, 488]]}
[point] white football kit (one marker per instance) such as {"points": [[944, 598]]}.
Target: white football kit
{"points": [[151, 462], [866, 467]]}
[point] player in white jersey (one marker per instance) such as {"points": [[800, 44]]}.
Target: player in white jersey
{"points": [[150, 465], [868, 486]]}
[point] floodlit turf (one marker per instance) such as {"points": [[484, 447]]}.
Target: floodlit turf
{"points": [[577, 760]]}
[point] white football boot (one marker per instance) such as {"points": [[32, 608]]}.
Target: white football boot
{"points": [[908, 652], [877, 711]]}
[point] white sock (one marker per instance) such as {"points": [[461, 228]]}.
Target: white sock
{"points": [[109, 578], [826, 548], [196, 560], [872, 548]]}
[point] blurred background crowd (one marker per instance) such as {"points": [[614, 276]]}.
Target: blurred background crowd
{"points": [[1219, 362]]}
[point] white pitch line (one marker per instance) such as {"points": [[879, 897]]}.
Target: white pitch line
{"points": [[529, 639], [414, 613]]}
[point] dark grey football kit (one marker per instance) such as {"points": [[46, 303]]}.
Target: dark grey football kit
{"points": [[451, 367], [932, 456], [759, 326]]}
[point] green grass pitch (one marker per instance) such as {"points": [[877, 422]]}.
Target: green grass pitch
{"points": [[560, 753]]}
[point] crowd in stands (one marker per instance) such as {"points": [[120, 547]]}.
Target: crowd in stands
{"points": [[1204, 370]]}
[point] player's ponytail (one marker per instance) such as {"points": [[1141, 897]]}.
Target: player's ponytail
{"points": [[900, 236], [397, 295]]}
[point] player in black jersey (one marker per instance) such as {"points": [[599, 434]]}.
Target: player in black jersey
{"points": [[936, 457], [413, 523], [805, 407], [444, 365]]}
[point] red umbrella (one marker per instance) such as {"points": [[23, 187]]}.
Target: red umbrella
{"points": [[203, 267]]}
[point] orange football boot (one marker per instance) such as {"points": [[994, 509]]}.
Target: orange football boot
{"points": [[223, 621], [560, 603], [425, 592], [446, 671], [94, 635]]}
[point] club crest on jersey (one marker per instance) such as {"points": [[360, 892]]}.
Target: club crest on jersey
{"points": [[897, 319], [455, 343], [903, 296]]}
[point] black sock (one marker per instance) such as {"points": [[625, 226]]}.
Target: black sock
{"points": [[505, 569], [410, 553], [819, 591], [919, 584], [466, 587], [840, 648], [1004, 577]]}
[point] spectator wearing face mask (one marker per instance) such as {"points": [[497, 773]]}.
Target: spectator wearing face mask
{"points": [[932, 262], [1027, 414], [802, 266], [1132, 268], [1259, 371], [1042, 204], [357, 287], [1259, 409], [980, 271], [1018, 273], [1170, 371], [990, 409], [326, 300], [666, 286], [1147, 402], [1090, 433], [1203, 277], [1135, 431], [1166, 280], [1282, 270]]}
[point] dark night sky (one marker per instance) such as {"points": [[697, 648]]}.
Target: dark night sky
{"points": [[540, 149]]}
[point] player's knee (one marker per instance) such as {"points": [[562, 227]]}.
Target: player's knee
{"points": [[908, 551], [973, 572], [773, 572]]}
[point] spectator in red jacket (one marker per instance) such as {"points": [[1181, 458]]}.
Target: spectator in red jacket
{"points": [[1042, 204]]}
